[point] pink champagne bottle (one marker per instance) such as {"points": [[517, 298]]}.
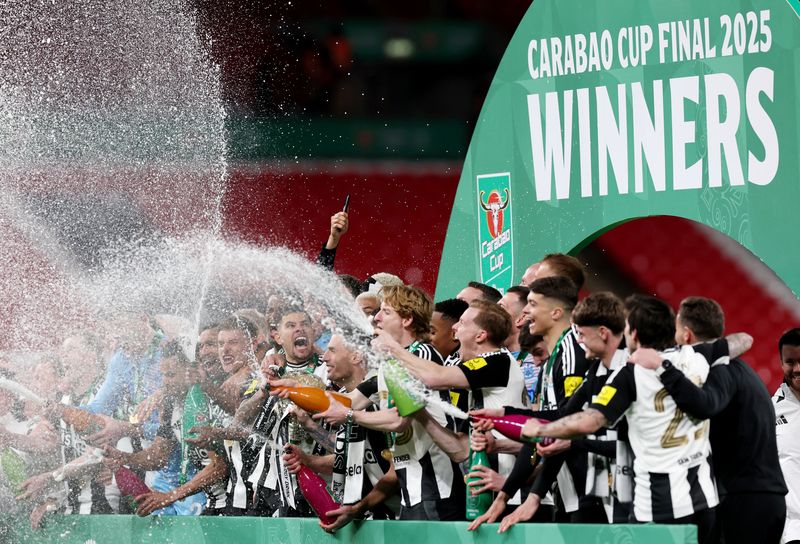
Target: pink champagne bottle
{"points": [[129, 484], [316, 493], [510, 426]]}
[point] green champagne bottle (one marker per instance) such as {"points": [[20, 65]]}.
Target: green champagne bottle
{"points": [[196, 404], [477, 505], [406, 390], [14, 468]]}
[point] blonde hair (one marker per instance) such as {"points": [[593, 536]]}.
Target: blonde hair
{"points": [[411, 302]]}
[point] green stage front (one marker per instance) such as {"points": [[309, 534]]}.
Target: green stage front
{"points": [[200, 530]]}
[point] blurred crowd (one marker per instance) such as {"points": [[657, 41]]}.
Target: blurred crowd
{"points": [[542, 403]]}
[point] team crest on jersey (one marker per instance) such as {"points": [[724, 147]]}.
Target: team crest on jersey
{"points": [[495, 229]]}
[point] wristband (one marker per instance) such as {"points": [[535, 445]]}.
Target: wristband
{"points": [[350, 419]]}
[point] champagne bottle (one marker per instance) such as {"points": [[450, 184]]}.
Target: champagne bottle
{"points": [[313, 399], [407, 391], [510, 426], [129, 483], [14, 468], [316, 493], [477, 505], [196, 403]]}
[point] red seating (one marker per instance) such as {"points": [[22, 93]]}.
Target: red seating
{"points": [[673, 258]]}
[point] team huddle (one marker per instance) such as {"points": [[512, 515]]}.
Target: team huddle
{"points": [[651, 416]]}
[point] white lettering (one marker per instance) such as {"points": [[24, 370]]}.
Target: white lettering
{"points": [[722, 133], [761, 172], [648, 137], [612, 139], [683, 132], [551, 151]]}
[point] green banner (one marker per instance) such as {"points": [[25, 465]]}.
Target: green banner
{"points": [[216, 530], [603, 111]]}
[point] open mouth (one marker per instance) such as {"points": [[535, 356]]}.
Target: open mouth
{"points": [[301, 342]]}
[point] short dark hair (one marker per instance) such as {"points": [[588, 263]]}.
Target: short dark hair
{"points": [[238, 323], [653, 320], [452, 308], [488, 292], [173, 348], [521, 291], [704, 316], [528, 340], [789, 338], [352, 283], [285, 310], [212, 326], [493, 319], [560, 288], [600, 309], [566, 265]]}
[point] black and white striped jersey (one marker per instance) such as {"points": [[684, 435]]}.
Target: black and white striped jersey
{"points": [[262, 477], [672, 466], [563, 374], [495, 380], [425, 472], [86, 495]]}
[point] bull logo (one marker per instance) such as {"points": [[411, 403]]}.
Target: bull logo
{"points": [[494, 206]]}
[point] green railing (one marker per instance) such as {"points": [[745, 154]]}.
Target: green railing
{"points": [[214, 530]]}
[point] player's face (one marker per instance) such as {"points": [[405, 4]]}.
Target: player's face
{"points": [[77, 362], [175, 376], [592, 339], [631, 340], [544, 270], [390, 321], [468, 294], [466, 330], [234, 349], [442, 334], [680, 332], [208, 350], [368, 305], [339, 359], [510, 302], [790, 363], [540, 353], [539, 311], [295, 335]]}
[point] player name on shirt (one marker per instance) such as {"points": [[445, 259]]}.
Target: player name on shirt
{"points": [[673, 477]]}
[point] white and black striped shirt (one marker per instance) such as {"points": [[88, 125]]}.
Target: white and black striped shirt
{"points": [[672, 466], [425, 472], [87, 495], [495, 380]]}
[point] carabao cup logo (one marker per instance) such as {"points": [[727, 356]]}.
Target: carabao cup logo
{"points": [[494, 221], [494, 206]]}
